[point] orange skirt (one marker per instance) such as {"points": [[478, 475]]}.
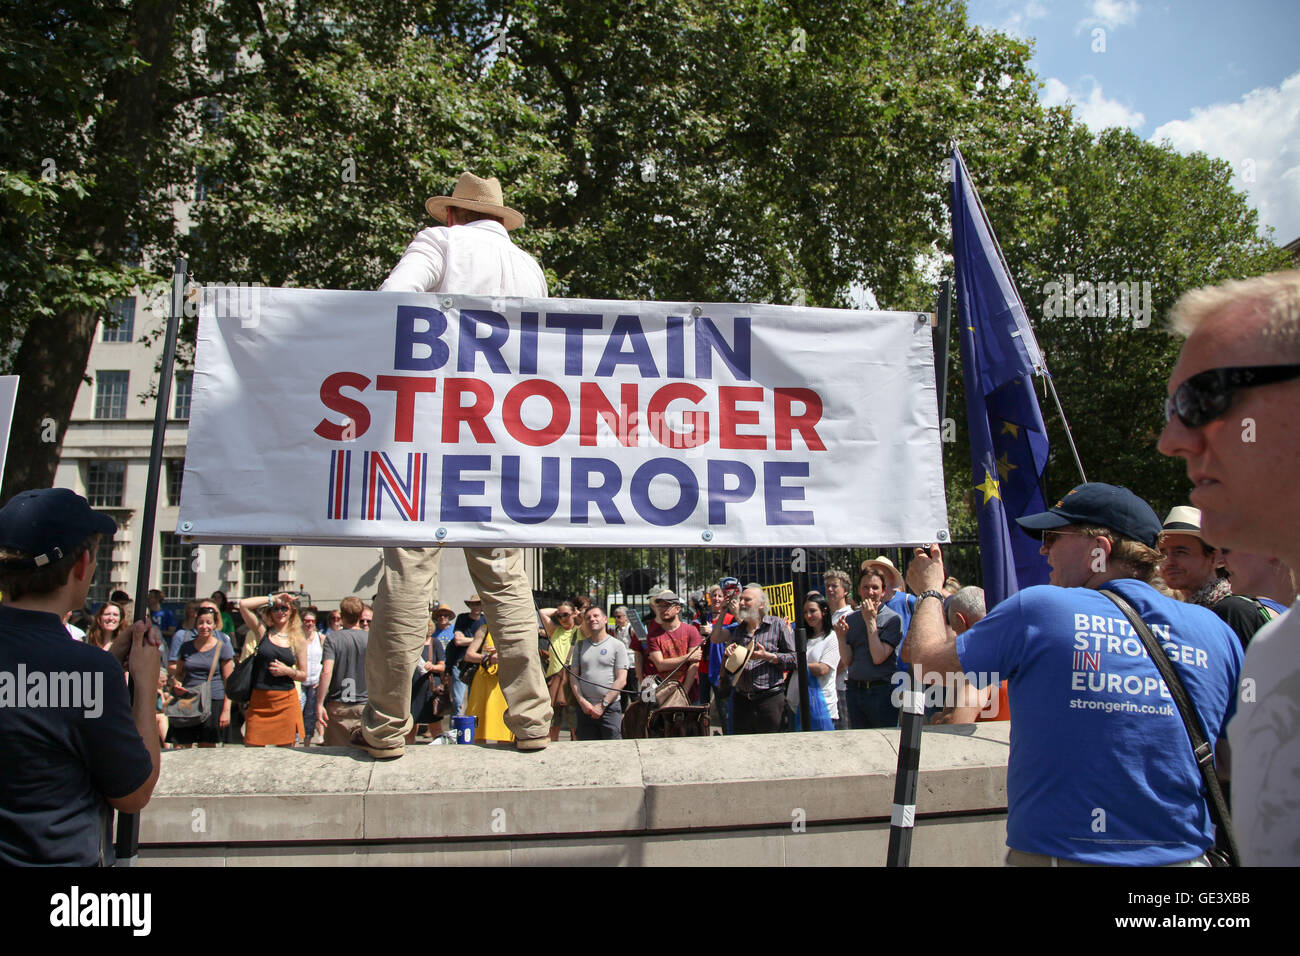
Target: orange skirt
{"points": [[273, 719]]}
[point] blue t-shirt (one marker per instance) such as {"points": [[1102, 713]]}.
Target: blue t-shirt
{"points": [[163, 619], [444, 638], [1278, 609], [903, 604], [1101, 767], [197, 663], [68, 744]]}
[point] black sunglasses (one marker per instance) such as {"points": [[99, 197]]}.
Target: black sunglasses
{"points": [[1207, 395]]}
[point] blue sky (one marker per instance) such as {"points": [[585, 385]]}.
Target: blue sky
{"points": [[1219, 77]]}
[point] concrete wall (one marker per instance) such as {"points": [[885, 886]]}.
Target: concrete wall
{"points": [[797, 799]]}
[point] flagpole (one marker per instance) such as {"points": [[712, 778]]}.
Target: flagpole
{"points": [[127, 845], [1041, 368]]}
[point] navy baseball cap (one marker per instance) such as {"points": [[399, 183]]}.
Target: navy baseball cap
{"points": [[1097, 503], [49, 523]]}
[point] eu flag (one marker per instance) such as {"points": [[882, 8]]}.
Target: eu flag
{"points": [[1000, 356]]}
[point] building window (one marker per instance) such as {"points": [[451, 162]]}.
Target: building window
{"points": [[110, 394], [175, 473], [261, 566], [102, 585], [105, 483], [184, 392], [119, 323], [178, 579]]}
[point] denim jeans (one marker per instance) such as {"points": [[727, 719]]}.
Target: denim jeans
{"points": [[871, 706]]}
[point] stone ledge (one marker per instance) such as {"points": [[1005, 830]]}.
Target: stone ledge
{"points": [[236, 795]]}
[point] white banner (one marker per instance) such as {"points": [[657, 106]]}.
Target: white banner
{"points": [[364, 418]]}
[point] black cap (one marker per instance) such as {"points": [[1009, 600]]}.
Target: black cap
{"points": [[48, 524], [1097, 503]]}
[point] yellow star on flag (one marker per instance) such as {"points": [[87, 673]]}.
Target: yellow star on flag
{"points": [[1010, 428], [1004, 465], [989, 487]]}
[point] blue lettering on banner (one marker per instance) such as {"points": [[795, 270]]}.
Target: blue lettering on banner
{"points": [[687, 499], [574, 326], [583, 494], [776, 493], [550, 494], [720, 495], [709, 340], [627, 328], [410, 342], [454, 486], [489, 346], [528, 343]]}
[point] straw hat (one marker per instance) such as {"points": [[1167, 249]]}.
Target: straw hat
{"points": [[886, 567], [479, 195], [1183, 520], [740, 654]]}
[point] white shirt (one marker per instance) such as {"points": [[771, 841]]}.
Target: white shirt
{"points": [[474, 259], [1265, 741], [826, 650]]}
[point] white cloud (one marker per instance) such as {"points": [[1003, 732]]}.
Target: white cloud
{"points": [[1260, 137], [1093, 109], [1109, 14], [1012, 18]]}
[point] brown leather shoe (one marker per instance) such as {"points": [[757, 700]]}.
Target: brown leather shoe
{"points": [[358, 739]]}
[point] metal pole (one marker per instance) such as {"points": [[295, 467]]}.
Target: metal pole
{"points": [[127, 845], [801, 661], [906, 777], [1068, 436], [941, 357]]}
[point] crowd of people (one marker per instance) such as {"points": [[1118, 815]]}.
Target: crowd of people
{"points": [[1103, 768]]}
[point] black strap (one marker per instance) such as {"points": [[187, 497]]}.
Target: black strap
{"points": [[1202, 749]]}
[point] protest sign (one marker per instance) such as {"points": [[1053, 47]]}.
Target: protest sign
{"points": [[325, 417]]}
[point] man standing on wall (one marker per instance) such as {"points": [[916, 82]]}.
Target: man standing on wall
{"points": [[471, 255]]}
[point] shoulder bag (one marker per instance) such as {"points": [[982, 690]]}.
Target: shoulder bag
{"points": [[194, 708], [239, 686], [1226, 854]]}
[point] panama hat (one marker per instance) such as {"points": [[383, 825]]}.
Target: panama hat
{"points": [[735, 661], [1183, 520], [893, 578], [479, 195]]}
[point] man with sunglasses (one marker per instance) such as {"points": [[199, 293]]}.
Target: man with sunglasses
{"points": [[1234, 414], [1101, 770]]}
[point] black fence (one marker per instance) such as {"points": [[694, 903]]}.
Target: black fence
{"points": [[612, 576]]}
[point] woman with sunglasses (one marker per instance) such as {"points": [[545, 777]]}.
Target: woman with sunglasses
{"points": [[563, 632], [274, 717], [193, 664]]}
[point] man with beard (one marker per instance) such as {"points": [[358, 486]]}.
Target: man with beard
{"points": [[760, 685]]}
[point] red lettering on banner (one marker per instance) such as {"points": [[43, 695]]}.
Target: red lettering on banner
{"points": [[454, 413], [406, 387], [560, 412], [592, 403], [788, 423], [729, 416], [699, 421], [357, 414]]}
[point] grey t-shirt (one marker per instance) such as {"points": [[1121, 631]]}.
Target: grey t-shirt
{"points": [[596, 666], [346, 647]]}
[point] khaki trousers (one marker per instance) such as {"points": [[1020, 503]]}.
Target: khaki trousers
{"points": [[401, 624]]}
